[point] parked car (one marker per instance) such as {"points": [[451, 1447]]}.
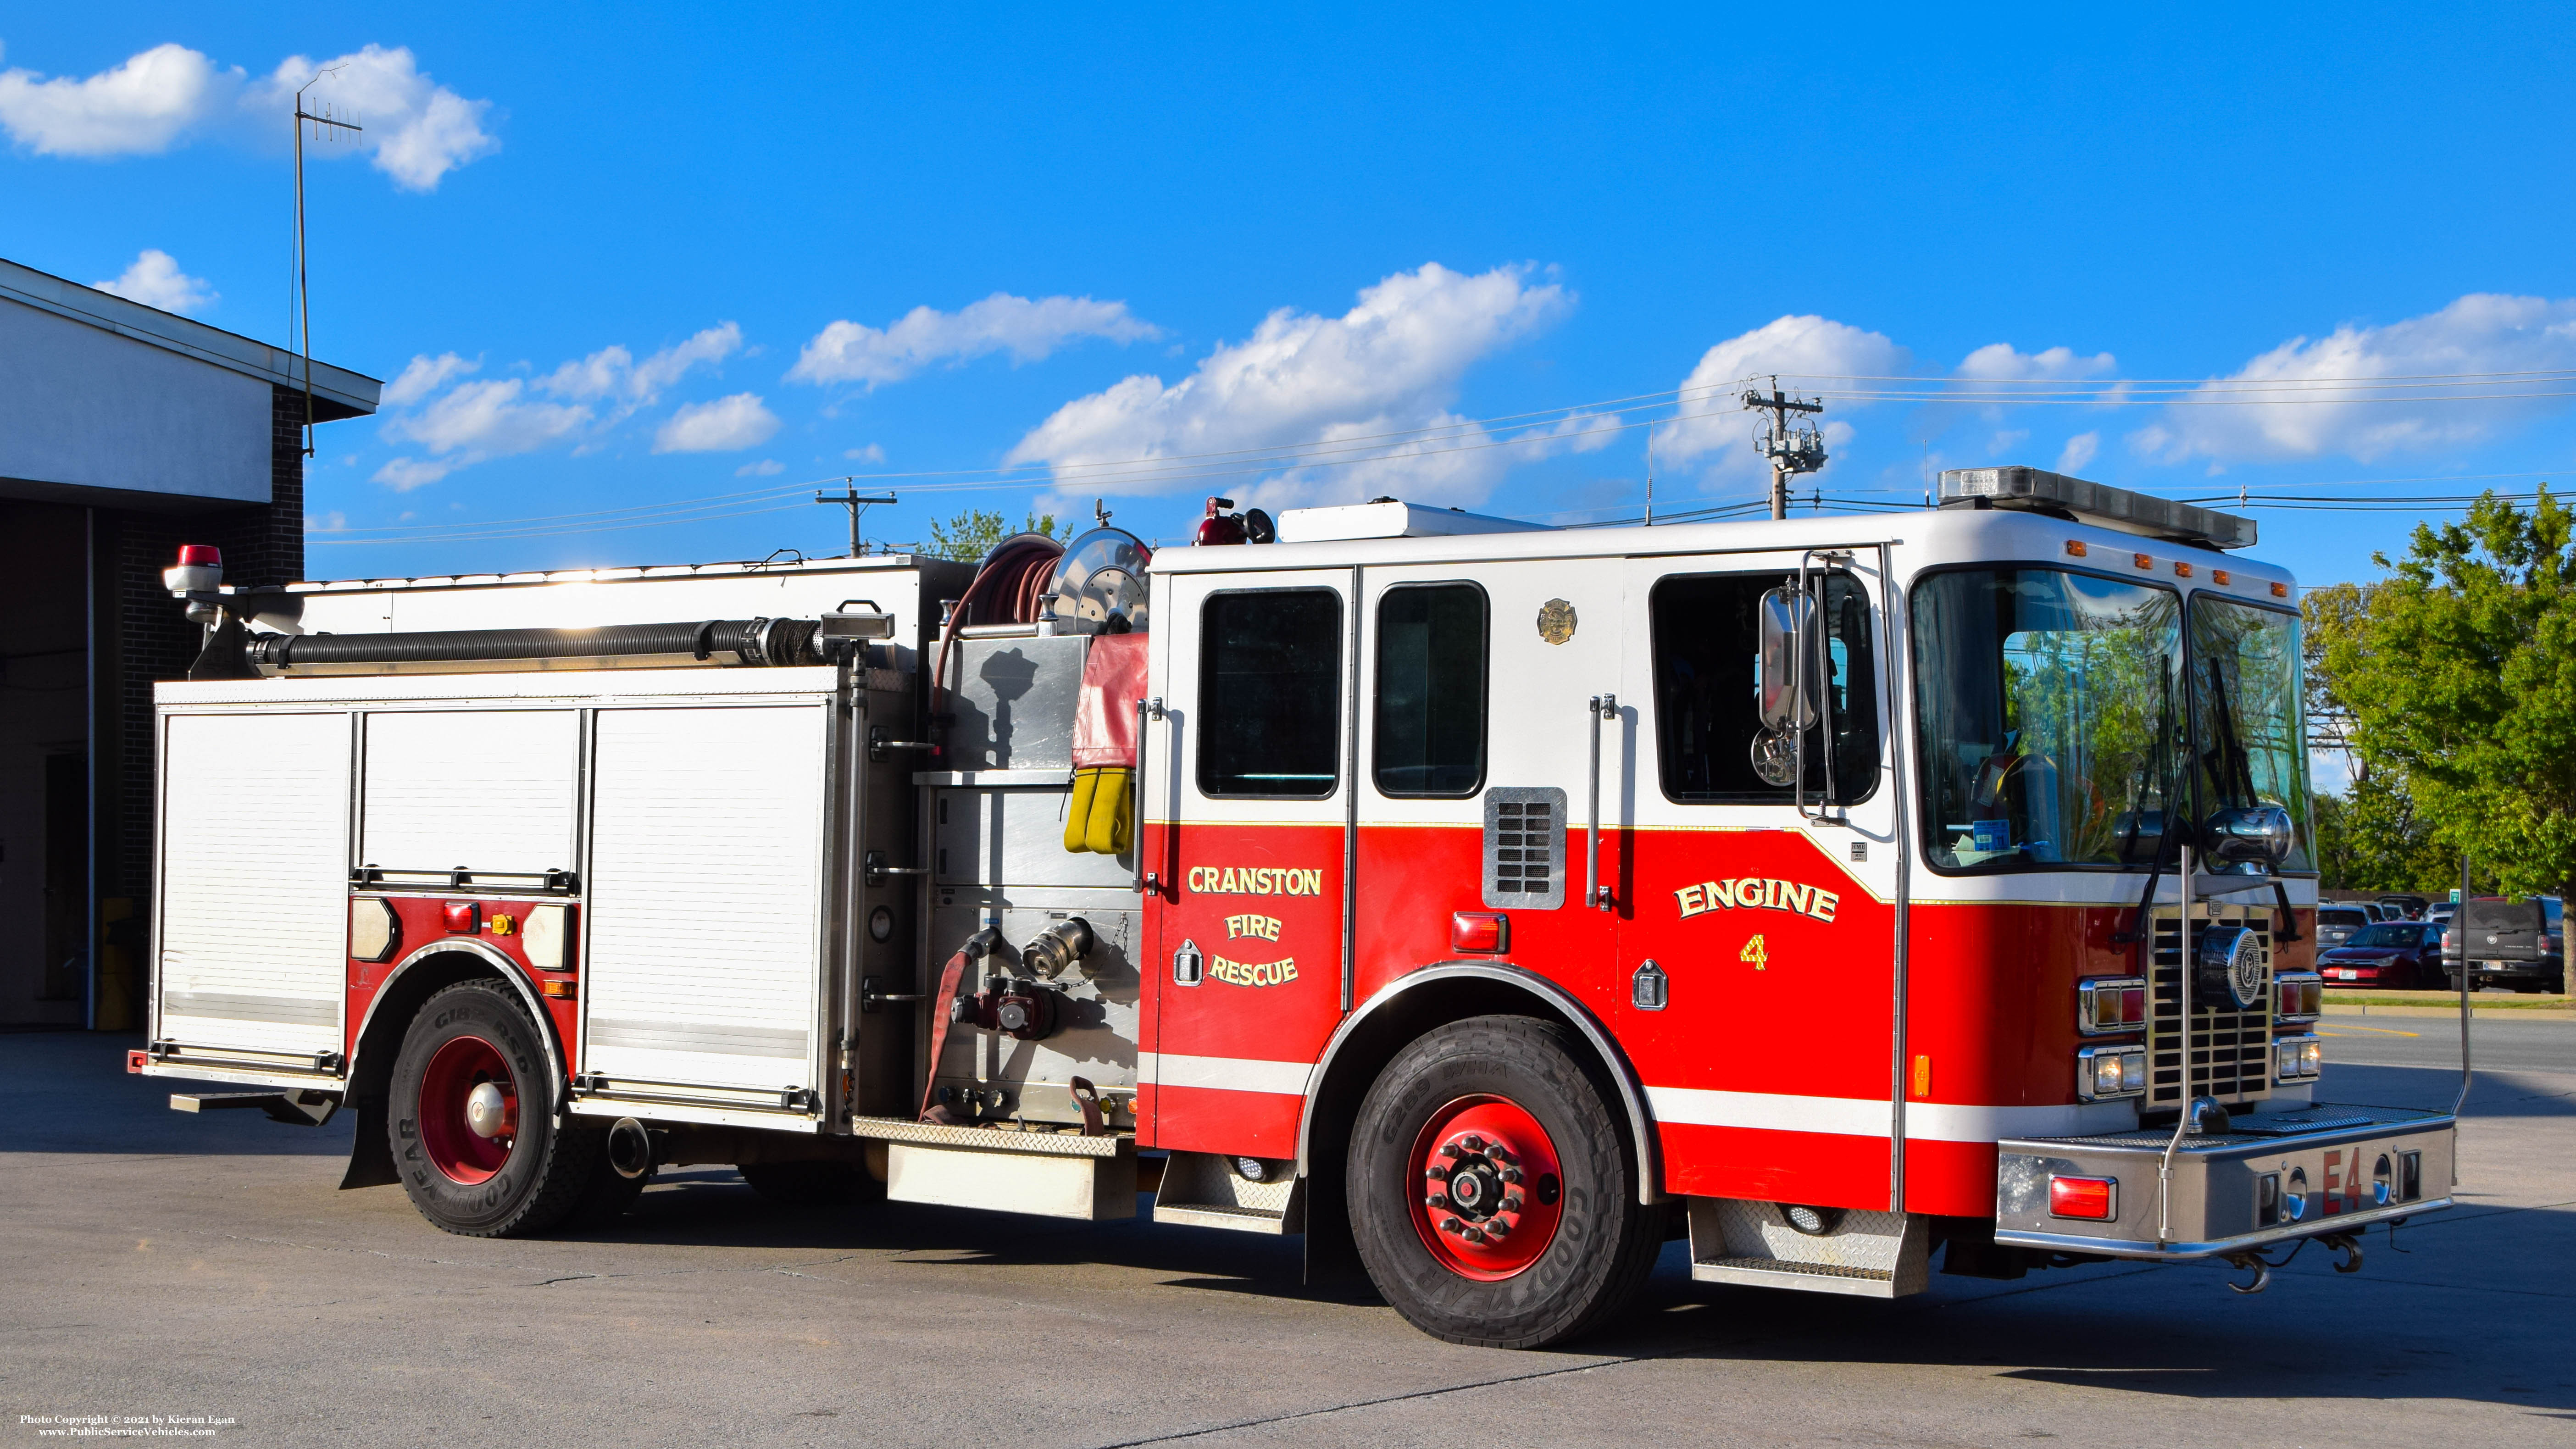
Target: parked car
{"points": [[2400, 955], [2549, 973], [2337, 924], [2406, 907]]}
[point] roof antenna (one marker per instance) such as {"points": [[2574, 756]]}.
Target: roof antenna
{"points": [[327, 126], [1100, 511], [1650, 477]]}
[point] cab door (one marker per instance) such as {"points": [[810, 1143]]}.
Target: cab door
{"points": [[1248, 828], [1496, 749], [1760, 937]]}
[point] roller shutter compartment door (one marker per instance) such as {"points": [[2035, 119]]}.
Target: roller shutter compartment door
{"points": [[705, 896], [488, 790], [254, 881]]}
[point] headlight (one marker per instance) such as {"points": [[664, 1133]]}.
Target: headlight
{"points": [[2298, 1058], [2109, 1072]]}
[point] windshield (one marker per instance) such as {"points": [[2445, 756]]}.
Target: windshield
{"points": [[2388, 934], [2245, 693], [2045, 704], [2347, 916]]}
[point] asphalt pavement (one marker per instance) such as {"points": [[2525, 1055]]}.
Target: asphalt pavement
{"points": [[205, 1267]]}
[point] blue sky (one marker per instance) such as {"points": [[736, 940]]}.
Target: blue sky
{"points": [[624, 260]]}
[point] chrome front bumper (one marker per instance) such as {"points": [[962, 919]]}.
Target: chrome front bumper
{"points": [[2234, 1191]]}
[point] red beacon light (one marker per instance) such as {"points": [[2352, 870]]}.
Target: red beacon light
{"points": [[1250, 526], [199, 569], [1484, 931]]}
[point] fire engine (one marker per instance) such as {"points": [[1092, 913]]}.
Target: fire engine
{"points": [[1488, 902]]}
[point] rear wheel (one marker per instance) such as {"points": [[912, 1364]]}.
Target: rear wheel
{"points": [[1492, 1191], [473, 1124]]}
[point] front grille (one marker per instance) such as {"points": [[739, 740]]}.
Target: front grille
{"points": [[2231, 1050]]}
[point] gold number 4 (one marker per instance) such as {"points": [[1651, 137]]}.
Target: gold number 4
{"points": [[1754, 953]]}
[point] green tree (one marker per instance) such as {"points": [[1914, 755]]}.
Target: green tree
{"points": [[2457, 676], [971, 534], [2372, 838]]}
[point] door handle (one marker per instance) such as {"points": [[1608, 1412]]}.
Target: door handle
{"points": [[1595, 894]]}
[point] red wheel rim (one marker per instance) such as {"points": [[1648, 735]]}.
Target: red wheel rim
{"points": [[1487, 1189], [447, 1090]]}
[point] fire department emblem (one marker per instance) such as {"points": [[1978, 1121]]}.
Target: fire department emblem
{"points": [[1556, 621]]}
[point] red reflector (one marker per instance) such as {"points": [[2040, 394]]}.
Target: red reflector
{"points": [[200, 555], [134, 1062], [1479, 931], [2084, 1197], [463, 918], [2133, 1005]]}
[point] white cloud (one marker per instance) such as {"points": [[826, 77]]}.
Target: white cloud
{"points": [[416, 131], [423, 376], [139, 107], [2079, 450], [721, 426], [461, 421], [613, 372], [471, 423], [1998, 361], [2480, 333], [1808, 346], [872, 453], [1028, 330], [765, 468], [1389, 365], [156, 281]]}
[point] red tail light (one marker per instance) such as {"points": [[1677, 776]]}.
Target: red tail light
{"points": [[200, 555], [1488, 931], [2096, 1198], [463, 918], [134, 1061]]}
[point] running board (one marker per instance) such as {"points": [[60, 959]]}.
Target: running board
{"points": [[1809, 1250], [1202, 1190], [301, 1108], [1056, 1175]]}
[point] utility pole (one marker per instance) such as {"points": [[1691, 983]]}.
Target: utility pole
{"points": [[303, 290], [1793, 448], [851, 498]]}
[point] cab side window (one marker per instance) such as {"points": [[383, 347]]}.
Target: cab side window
{"points": [[1707, 711], [1430, 711], [1270, 686]]}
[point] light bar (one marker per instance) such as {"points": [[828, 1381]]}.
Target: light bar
{"points": [[2038, 490]]}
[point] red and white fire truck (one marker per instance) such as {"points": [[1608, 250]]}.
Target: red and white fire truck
{"points": [[1492, 902]]}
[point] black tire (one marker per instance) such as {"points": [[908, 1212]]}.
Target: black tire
{"points": [[811, 1184], [549, 1161], [1604, 1242]]}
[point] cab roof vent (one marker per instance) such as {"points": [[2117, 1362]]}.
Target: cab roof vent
{"points": [[2040, 491]]}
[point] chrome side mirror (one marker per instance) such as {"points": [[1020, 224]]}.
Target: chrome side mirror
{"points": [[2249, 840], [1789, 661]]}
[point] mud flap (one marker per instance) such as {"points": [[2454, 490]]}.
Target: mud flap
{"points": [[371, 1157]]}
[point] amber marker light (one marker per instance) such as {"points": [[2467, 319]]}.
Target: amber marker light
{"points": [[2075, 548], [2143, 561], [2182, 570], [2280, 591], [2218, 577]]}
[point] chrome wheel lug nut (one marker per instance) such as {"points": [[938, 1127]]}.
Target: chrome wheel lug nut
{"points": [[1451, 1225], [1451, 1151], [1436, 1200], [1498, 1229], [1475, 1235], [1474, 1143], [1512, 1204], [1512, 1175]]}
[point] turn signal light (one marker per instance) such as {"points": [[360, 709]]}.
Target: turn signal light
{"points": [[1489, 931], [463, 918], [2106, 1005], [560, 990], [2302, 996], [2093, 1198]]}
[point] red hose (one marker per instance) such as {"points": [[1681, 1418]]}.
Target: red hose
{"points": [[1013, 581]]}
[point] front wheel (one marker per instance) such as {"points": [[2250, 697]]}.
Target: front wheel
{"points": [[1492, 1190], [475, 1134]]}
